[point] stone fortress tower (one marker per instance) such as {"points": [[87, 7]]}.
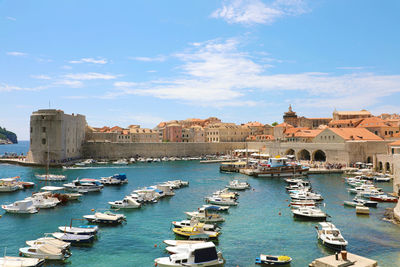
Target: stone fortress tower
{"points": [[61, 135]]}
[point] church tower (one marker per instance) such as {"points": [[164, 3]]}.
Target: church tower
{"points": [[290, 117]]}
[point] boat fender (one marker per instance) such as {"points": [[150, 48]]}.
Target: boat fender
{"points": [[288, 205], [280, 214], [155, 245], [20, 254]]}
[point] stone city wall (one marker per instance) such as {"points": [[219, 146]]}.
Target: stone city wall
{"points": [[125, 150], [396, 182]]}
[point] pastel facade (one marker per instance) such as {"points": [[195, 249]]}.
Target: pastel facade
{"points": [[226, 132]]}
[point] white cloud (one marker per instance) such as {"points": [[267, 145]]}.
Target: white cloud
{"points": [[216, 73], [89, 60], [69, 83], [257, 12], [10, 88], [351, 68], [11, 18], [41, 77], [90, 76], [66, 67], [16, 54], [149, 59]]}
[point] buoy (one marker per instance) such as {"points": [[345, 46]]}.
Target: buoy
{"points": [[287, 200], [20, 254], [155, 245], [92, 209], [288, 205], [155, 264]]}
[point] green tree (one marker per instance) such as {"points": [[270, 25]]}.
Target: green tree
{"points": [[274, 123]]}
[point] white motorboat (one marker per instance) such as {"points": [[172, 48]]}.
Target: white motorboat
{"points": [[193, 222], [9, 185], [201, 254], [221, 201], [59, 191], [215, 208], [20, 262], [22, 206], [309, 213], [120, 162], [306, 196], [203, 216], [106, 218], [166, 188], [178, 183], [75, 239], [45, 251], [82, 230], [51, 177], [116, 179], [44, 200], [50, 241], [236, 185], [132, 160], [330, 236], [84, 186], [127, 203], [182, 242]]}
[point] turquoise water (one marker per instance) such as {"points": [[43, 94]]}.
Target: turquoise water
{"points": [[262, 222]]}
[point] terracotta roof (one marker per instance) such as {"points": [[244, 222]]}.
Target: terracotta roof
{"points": [[355, 134], [284, 124], [374, 122], [293, 130], [395, 143], [308, 133], [161, 124], [319, 118], [349, 121], [254, 123], [116, 129], [266, 136]]}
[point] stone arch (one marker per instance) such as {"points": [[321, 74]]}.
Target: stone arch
{"points": [[319, 155], [369, 159], [387, 167], [304, 154], [380, 166], [290, 152]]}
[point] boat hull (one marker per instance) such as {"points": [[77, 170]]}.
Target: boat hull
{"points": [[332, 246]]}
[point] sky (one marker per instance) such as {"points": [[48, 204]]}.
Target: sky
{"points": [[142, 62]]}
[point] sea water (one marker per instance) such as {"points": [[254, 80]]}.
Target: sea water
{"points": [[261, 223]]}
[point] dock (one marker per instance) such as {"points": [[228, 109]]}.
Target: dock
{"points": [[217, 160], [341, 260], [324, 171]]}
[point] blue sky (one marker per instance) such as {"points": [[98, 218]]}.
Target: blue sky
{"points": [[142, 62]]}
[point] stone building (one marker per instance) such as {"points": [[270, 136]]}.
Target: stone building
{"points": [[290, 117], [56, 136], [380, 127], [226, 132], [347, 115], [172, 133], [193, 134]]}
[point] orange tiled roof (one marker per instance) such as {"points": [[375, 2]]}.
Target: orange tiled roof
{"points": [[295, 130], [254, 123], [349, 121], [116, 129], [374, 122], [308, 133], [355, 134], [284, 124], [395, 143]]}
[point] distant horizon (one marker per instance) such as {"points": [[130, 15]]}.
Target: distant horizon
{"points": [[241, 60]]}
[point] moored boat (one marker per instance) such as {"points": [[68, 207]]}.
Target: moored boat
{"points": [[74, 239], [81, 230], [193, 231], [46, 252], [105, 217], [202, 254], [309, 213], [330, 236], [127, 203], [8, 261], [273, 259], [22, 206], [383, 198]]}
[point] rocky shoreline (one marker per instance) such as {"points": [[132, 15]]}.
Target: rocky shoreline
{"points": [[389, 216]]}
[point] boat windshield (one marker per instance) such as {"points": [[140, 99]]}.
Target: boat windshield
{"points": [[205, 254]]}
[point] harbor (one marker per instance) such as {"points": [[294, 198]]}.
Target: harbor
{"points": [[269, 225]]}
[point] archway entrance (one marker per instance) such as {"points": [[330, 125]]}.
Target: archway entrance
{"points": [[290, 152], [387, 167], [369, 160], [319, 155], [303, 155], [380, 166]]}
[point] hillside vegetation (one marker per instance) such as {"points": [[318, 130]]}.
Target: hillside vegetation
{"points": [[4, 135]]}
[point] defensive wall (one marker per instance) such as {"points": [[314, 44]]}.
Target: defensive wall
{"points": [[102, 150]]}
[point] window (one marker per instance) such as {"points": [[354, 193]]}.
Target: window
{"points": [[31, 129], [31, 141], [43, 129], [43, 141]]}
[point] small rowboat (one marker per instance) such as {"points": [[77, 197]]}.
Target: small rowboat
{"points": [[351, 203], [273, 260]]}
